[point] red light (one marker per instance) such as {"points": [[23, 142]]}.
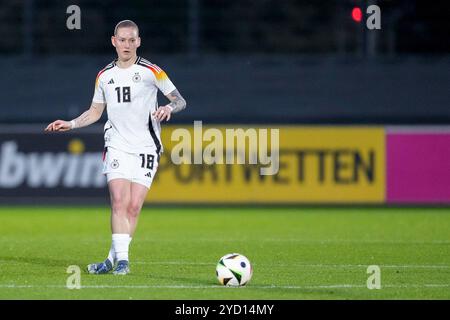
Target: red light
{"points": [[357, 14]]}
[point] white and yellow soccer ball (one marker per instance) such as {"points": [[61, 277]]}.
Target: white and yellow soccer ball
{"points": [[234, 270]]}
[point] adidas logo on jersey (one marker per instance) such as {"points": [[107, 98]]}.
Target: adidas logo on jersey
{"points": [[111, 81], [149, 174]]}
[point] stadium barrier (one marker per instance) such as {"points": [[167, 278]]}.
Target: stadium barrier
{"points": [[317, 165]]}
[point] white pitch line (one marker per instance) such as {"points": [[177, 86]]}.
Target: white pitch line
{"points": [[175, 263], [305, 241], [283, 265], [336, 286], [361, 241], [411, 266]]}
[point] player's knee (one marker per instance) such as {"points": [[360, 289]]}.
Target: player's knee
{"points": [[134, 208], [118, 203]]}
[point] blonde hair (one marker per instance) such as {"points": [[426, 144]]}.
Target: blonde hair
{"points": [[126, 24]]}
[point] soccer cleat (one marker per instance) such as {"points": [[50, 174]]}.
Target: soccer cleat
{"points": [[100, 268], [122, 268]]}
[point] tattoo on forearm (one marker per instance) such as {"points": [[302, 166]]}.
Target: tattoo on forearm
{"points": [[85, 119], [177, 102]]}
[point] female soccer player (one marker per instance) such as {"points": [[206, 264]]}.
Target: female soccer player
{"points": [[128, 88]]}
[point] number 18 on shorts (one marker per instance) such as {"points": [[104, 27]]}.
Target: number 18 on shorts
{"points": [[139, 168]]}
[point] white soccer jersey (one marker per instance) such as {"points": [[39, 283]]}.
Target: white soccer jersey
{"points": [[130, 96]]}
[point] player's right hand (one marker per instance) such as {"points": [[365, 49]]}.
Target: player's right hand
{"points": [[59, 125]]}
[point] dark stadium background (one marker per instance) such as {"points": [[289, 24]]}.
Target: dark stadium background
{"points": [[266, 63], [287, 61]]}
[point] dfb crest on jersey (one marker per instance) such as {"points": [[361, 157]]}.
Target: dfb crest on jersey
{"points": [[115, 164], [136, 77]]}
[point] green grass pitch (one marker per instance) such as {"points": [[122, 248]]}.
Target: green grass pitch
{"points": [[297, 253]]}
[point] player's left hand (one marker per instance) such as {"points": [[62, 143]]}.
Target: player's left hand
{"points": [[162, 113]]}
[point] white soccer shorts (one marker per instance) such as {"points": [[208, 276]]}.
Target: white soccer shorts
{"points": [[138, 168]]}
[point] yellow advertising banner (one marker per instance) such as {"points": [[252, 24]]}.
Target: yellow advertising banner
{"points": [[314, 165]]}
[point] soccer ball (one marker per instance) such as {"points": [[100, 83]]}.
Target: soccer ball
{"points": [[234, 270]]}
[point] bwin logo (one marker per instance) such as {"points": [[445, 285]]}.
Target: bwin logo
{"points": [[49, 169]]}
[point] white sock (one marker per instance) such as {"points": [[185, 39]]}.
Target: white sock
{"points": [[111, 254], [120, 242], [129, 242]]}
